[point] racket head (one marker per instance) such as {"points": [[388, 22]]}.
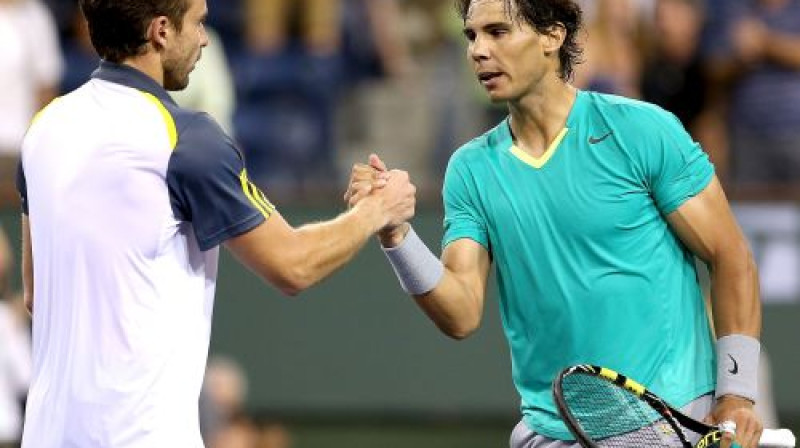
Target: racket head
{"points": [[603, 408]]}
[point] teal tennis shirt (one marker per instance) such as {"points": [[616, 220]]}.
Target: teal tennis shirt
{"points": [[588, 269]]}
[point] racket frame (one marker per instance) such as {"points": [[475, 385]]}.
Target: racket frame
{"points": [[673, 417]]}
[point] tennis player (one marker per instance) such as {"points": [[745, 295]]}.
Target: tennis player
{"points": [[126, 199], [591, 208]]}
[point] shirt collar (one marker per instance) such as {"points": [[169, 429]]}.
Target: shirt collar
{"points": [[131, 77]]}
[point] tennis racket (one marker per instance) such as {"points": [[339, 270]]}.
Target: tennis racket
{"points": [[604, 409]]}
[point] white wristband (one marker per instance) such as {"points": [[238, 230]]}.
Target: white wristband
{"points": [[417, 268], [737, 366]]}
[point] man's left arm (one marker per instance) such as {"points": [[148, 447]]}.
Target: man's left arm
{"points": [[707, 226]]}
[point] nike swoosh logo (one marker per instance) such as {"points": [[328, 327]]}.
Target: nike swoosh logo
{"points": [[595, 140], [735, 368]]}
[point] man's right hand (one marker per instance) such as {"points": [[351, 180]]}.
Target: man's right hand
{"points": [[398, 199], [372, 179]]}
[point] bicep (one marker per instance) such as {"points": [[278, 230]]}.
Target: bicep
{"points": [[468, 262], [705, 223]]}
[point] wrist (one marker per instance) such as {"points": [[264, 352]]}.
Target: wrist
{"points": [[393, 237], [416, 267], [730, 398], [370, 209], [737, 367]]}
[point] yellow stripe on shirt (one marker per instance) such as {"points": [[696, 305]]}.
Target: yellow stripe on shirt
{"points": [[39, 114], [172, 130], [255, 196]]}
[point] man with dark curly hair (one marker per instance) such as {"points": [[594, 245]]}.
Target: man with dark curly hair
{"points": [[592, 208]]}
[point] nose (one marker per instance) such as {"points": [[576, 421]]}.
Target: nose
{"points": [[479, 49], [203, 38]]}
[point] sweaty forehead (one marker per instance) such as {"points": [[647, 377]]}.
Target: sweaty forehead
{"points": [[496, 9]]}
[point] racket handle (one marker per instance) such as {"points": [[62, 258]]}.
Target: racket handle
{"points": [[777, 438]]}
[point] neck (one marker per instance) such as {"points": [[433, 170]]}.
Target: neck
{"points": [[538, 117], [149, 64]]}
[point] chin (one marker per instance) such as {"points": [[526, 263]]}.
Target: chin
{"points": [[498, 97], [176, 85]]}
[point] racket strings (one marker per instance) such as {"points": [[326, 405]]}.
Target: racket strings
{"points": [[614, 417]]}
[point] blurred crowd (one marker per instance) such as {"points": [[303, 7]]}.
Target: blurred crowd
{"points": [[309, 86]]}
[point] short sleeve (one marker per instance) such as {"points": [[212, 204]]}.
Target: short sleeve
{"points": [[22, 187], [676, 167], [209, 186], [462, 217]]}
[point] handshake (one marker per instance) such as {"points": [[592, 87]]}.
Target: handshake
{"points": [[389, 196]]}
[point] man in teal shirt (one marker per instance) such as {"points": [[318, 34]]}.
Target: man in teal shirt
{"points": [[592, 208]]}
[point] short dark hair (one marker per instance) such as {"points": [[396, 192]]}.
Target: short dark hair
{"points": [[118, 27], [543, 14]]}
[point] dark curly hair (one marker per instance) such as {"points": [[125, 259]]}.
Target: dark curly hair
{"points": [[543, 14], [118, 27]]}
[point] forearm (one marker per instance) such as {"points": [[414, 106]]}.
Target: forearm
{"points": [[737, 319], [451, 290], [320, 249], [734, 294], [452, 307], [783, 50]]}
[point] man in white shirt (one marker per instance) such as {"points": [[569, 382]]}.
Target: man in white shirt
{"points": [[126, 199]]}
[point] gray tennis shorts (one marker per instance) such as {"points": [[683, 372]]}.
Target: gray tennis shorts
{"points": [[523, 437]]}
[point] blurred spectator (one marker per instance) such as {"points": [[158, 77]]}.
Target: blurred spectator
{"points": [[211, 87], [288, 78], [384, 44], [753, 51], [79, 54], [430, 88], [240, 432], [15, 361], [268, 24], [30, 70], [612, 50], [273, 435], [222, 397], [673, 76], [300, 58]]}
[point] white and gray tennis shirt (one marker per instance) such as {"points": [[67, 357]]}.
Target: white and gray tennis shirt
{"points": [[128, 198]]}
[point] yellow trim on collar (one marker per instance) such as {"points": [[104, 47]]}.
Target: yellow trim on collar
{"points": [[172, 130], [540, 161]]}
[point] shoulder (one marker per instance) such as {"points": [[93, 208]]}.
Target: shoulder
{"points": [[201, 142], [632, 115], [197, 127], [626, 108], [480, 148]]}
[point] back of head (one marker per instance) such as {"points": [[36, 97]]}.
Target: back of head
{"points": [[542, 15], [118, 28]]}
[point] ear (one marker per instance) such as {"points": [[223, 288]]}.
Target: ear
{"points": [[158, 32], [553, 38]]}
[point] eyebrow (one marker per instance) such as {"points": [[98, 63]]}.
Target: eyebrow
{"points": [[489, 26]]}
